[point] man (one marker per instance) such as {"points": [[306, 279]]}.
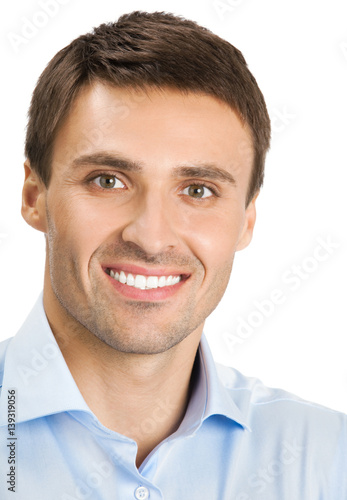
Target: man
{"points": [[145, 155]]}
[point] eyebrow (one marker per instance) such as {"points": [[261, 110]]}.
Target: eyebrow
{"points": [[207, 171], [107, 160], [204, 170]]}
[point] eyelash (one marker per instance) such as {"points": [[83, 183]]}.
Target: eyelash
{"points": [[90, 180], [203, 185]]}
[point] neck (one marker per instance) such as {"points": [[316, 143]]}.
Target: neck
{"points": [[143, 397]]}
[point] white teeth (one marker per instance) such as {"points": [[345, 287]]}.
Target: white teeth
{"points": [[130, 280], [145, 283], [162, 281], [140, 282], [152, 282]]}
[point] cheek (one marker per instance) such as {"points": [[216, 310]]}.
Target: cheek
{"points": [[213, 237], [77, 227]]}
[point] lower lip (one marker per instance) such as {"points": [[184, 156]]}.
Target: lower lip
{"points": [[150, 295]]}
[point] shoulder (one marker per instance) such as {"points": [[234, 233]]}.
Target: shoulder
{"points": [[259, 401], [290, 429]]}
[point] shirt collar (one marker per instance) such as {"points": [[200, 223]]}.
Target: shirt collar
{"points": [[210, 396], [36, 369]]}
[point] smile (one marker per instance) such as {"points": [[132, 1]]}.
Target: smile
{"points": [[144, 282]]}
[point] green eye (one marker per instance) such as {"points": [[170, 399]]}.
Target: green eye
{"points": [[197, 191], [106, 181]]}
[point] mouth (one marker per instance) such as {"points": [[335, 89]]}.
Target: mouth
{"points": [[143, 282], [154, 283]]}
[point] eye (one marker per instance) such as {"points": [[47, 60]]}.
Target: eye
{"points": [[107, 181], [197, 191]]}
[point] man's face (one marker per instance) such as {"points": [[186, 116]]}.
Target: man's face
{"points": [[141, 192]]}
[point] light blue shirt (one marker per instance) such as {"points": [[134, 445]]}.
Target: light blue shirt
{"points": [[239, 440]]}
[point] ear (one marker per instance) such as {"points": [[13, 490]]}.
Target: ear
{"points": [[34, 199], [247, 230]]}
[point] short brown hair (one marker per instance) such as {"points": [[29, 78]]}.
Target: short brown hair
{"points": [[146, 50]]}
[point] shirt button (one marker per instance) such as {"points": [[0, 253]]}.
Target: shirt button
{"points": [[141, 493]]}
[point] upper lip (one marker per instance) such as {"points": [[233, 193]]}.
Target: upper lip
{"points": [[133, 269]]}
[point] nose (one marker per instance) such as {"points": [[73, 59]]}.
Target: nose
{"points": [[153, 224]]}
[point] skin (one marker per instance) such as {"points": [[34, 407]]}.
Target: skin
{"points": [[132, 355]]}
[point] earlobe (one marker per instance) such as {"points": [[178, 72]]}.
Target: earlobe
{"points": [[33, 199], [247, 230]]}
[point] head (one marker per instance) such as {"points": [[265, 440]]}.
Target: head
{"points": [[141, 51], [158, 100]]}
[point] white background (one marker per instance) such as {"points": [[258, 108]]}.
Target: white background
{"points": [[297, 51]]}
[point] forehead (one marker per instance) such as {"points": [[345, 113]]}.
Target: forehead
{"points": [[153, 126]]}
